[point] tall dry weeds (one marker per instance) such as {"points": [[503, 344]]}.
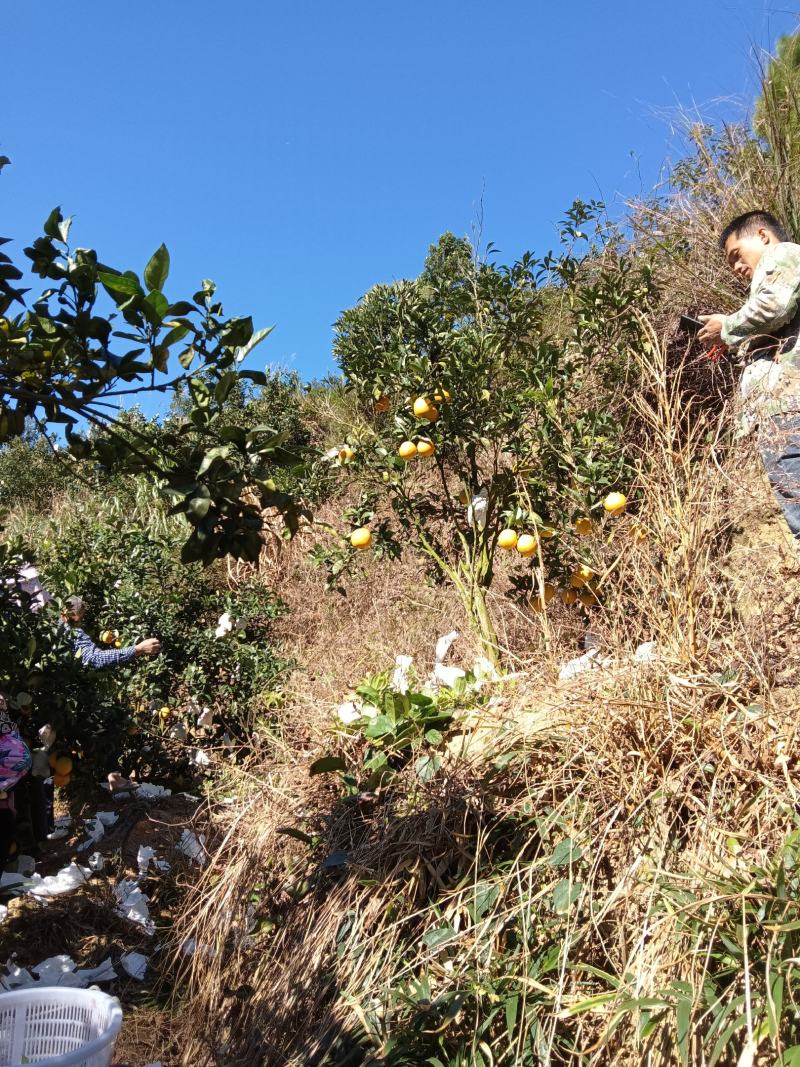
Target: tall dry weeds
{"points": [[574, 885]]}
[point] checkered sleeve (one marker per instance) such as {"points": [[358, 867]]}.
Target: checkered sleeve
{"points": [[97, 658]]}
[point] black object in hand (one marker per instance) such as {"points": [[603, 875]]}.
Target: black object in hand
{"points": [[689, 324]]}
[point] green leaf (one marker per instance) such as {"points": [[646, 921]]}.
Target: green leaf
{"points": [[198, 507], [683, 1018], [380, 726], [52, 223], [258, 377], [438, 936], [157, 270], [120, 284], [256, 339], [484, 899], [565, 894], [434, 737], [512, 1007], [224, 386], [213, 454], [565, 853], [159, 303], [326, 764], [426, 767], [177, 333]]}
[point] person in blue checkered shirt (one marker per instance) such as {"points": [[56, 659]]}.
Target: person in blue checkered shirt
{"points": [[90, 654]]}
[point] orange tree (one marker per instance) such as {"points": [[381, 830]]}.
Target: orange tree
{"points": [[99, 338], [489, 411]]}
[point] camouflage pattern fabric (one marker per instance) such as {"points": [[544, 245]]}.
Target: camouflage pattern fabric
{"points": [[770, 322]]}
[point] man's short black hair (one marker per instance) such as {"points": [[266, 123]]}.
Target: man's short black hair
{"points": [[749, 223]]}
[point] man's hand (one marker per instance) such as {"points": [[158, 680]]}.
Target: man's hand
{"points": [[711, 333], [151, 646]]}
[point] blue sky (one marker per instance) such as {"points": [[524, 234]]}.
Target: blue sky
{"points": [[297, 153]]}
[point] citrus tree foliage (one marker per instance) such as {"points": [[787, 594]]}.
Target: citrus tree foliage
{"points": [[67, 363], [518, 366], [135, 586]]}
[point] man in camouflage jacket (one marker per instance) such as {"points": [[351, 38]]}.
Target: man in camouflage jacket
{"points": [[758, 251]]}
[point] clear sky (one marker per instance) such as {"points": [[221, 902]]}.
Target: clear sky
{"points": [[299, 152]]}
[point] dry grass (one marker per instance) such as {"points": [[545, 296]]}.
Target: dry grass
{"points": [[665, 775]]}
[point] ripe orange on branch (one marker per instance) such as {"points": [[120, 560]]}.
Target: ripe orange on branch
{"points": [[507, 539], [526, 544], [541, 598], [615, 503], [424, 409], [425, 447], [361, 538], [407, 450]]}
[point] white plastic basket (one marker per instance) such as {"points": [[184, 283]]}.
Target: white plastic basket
{"points": [[59, 1027]]}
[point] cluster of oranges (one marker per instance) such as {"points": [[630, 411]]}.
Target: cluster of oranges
{"points": [[582, 582], [425, 408], [111, 637]]}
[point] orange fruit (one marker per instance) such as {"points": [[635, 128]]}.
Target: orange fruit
{"points": [[615, 503], [52, 759], [345, 454], [382, 404], [361, 538], [424, 409], [507, 539], [580, 576], [425, 447], [407, 450], [568, 596], [61, 779], [587, 598], [526, 544], [541, 598], [63, 765]]}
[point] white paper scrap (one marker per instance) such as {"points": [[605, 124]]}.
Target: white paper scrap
{"points": [[133, 904], [55, 885], [148, 791], [190, 846], [447, 675], [399, 681], [443, 645]]}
